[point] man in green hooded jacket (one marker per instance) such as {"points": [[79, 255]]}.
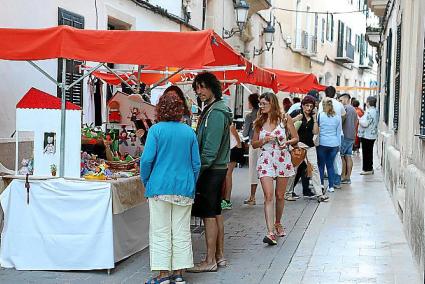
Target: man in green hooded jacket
{"points": [[213, 134]]}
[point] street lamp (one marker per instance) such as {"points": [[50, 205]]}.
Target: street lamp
{"points": [[268, 34], [241, 9]]}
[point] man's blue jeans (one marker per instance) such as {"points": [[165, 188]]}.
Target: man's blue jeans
{"points": [[326, 156]]}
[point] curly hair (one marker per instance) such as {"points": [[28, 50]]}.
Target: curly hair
{"points": [[171, 105], [209, 81]]}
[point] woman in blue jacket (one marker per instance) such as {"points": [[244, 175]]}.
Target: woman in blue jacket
{"points": [[169, 168], [329, 141]]}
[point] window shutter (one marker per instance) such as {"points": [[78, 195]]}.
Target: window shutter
{"points": [[388, 78], [75, 94], [397, 79], [422, 120]]}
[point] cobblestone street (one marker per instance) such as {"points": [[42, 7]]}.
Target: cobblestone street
{"points": [[355, 238]]}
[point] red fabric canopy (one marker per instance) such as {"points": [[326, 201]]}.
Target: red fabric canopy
{"points": [[251, 75], [154, 49], [296, 82], [35, 98]]}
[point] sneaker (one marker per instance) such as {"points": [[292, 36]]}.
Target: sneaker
{"points": [[367, 173], [290, 198], [294, 195], [331, 189], [346, 181], [177, 279], [309, 195], [226, 205], [323, 198], [337, 186], [249, 201]]}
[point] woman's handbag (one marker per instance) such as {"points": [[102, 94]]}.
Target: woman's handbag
{"points": [[309, 170], [297, 155]]}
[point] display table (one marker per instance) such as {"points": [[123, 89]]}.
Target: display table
{"points": [[72, 224]]}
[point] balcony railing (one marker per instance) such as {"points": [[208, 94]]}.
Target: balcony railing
{"points": [[304, 40], [350, 50], [345, 54], [312, 45]]}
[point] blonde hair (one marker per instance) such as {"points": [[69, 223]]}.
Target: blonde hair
{"points": [[328, 107]]}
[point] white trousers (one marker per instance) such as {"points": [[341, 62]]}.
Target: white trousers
{"points": [[170, 242], [315, 179], [253, 160]]}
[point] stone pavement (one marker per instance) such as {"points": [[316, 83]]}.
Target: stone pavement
{"points": [[250, 261], [355, 238]]}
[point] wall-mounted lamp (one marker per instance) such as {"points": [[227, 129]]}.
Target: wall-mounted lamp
{"points": [[241, 9], [268, 34]]}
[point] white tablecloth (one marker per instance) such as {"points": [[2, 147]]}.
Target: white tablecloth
{"points": [[67, 225]]}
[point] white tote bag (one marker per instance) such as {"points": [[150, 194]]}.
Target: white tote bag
{"points": [[338, 164]]}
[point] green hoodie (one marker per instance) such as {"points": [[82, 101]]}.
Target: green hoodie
{"points": [[214, 136]]}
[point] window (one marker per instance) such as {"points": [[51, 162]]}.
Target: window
{"points": [[422, 119], [340, 47], [388, 77], [397, 79], [323, 30], [330, 27], [75, 94], [338, 80]]}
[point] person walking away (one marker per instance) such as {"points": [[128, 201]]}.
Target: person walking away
{"points": [[360, 113], [308, 128], [213, 134], [368, 132], [274, 161], [338, 108], [171, 150], [248, 131], [329, 141], [349, 125], [236, 156]]}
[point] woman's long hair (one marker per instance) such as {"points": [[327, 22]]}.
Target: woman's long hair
{"points": [[328, 107], [275, 112]]}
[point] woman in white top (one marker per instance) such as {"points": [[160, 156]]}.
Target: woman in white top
{"points": [[274, 161], [368, 132]]}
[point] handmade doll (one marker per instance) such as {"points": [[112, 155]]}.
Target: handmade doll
{"points": [[114, 112]]}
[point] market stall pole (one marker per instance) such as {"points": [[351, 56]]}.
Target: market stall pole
{"points": [[63, 87], [201, 49]]}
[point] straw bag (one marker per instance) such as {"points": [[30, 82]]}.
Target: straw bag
{"points": [[297, 154]]}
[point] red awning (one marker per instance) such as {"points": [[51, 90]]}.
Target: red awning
{"points": [[295, 82], [154, 49], [253, 75]]}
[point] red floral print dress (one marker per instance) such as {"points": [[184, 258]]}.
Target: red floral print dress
{"points": [[272, 161]]}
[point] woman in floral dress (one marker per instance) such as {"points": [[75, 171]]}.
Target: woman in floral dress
{"points": [[274, 161]]}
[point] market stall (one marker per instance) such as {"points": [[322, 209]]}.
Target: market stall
{"points": [[296, 82], [81, 224]]}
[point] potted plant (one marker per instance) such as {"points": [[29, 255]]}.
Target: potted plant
{"points": [[53, 169]]}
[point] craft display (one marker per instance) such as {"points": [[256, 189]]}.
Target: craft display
{"points": [[114, 112], [27, 167]]}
